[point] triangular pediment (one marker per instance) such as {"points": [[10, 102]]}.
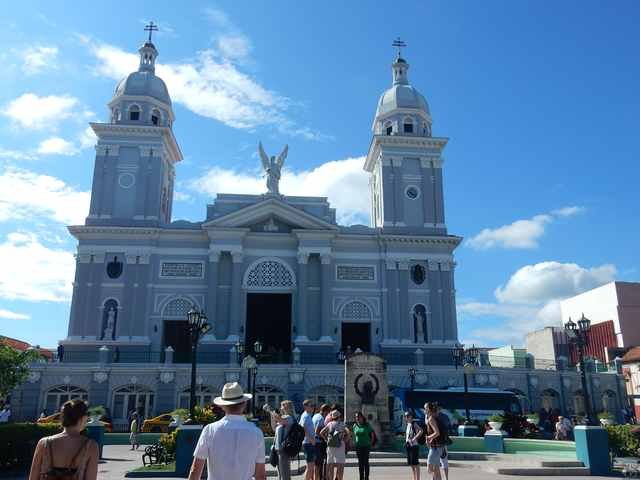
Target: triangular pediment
{"points": [[271, 215]]}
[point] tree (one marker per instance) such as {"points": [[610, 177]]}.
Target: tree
{"points": [[14, 367]]}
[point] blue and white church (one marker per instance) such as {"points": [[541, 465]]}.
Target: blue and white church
{"points": [[271, 268]]}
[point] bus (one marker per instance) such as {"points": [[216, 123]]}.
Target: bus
{"points": [[483, 402]]}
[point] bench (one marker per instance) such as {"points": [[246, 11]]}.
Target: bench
{"points": [[155, 455]]}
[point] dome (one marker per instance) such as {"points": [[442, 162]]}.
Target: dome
{"points": [[144, 83], [401, 96]]}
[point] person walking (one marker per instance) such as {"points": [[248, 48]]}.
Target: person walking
{"points": [[232, 447], [363, 439], [68, 454], [445, 423], [435, 440], [321, 445], [281, 423], [309, 442], [336, 434], [411, 436], [134, 428]]}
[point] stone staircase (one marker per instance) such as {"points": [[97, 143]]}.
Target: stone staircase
{"points": [[503, 464]]}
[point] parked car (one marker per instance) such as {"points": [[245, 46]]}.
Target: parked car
{"points": [[159, 424], [55, 418]]}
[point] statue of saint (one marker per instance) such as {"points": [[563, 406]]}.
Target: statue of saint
{"points": [[420, 320], [272, 167], [111, 323]]}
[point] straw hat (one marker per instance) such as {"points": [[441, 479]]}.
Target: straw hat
{"points": [[232, 394]]}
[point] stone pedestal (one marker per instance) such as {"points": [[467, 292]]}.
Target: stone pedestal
{"points": [[592, 448], [494, 441], [186, 441], [95, 431], [468, 431]]}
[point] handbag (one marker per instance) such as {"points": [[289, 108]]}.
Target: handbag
{"points": [[273, 456]]}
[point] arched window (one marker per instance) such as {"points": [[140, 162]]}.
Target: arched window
{"points": [[609, 402], [114, 268], [407, 125], [388, 128], [134, 113], [109, 319], [204, 396], [578, 403], [269, 274], [155, 116], [269, 394], [420, 328], [326, 394], [132, 398], [356, 310], [56, 396], [177, 308], [522, 399], [550, 399]]}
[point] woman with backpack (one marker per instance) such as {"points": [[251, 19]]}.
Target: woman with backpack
{"points": [[281, 423], [412, 436], [364, 438], [436, 439], [68, 455], [336, 434]]}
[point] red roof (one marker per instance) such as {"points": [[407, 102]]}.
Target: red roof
{"points": [[22, 346], [632, 355]]}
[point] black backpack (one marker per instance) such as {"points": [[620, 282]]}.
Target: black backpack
{"points": [[422, 439], [293, 441]]}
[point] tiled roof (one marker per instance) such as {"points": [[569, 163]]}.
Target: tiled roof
{"points": [[632, 355]]}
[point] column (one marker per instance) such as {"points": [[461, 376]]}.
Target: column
{"points": [[142, 308], [93, 320], [78, 302], [427, 192], [301, 321], [399, 191], [403, 301], [325, 297], [439, 197], [392, 300], [126, 313], [236, 285], [452, 328], [212, 290], [435, 301]]}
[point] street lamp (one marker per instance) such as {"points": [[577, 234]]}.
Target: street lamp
{"points": [[412, 377], [467, 358], [198, 326], [342, 356], [578, 334], [253, 372]]}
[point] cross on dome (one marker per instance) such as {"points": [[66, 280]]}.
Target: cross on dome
{"points": [[151, 27], [399, 44]]}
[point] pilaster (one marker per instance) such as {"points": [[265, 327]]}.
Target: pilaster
{"points": [[236, 286], [404, 322], [302, 326], [212, 285], [325, 302]]}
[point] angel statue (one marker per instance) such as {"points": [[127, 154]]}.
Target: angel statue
{"points": [[272, 167]]}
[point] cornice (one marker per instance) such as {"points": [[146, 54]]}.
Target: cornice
{"points": [[378, 141], [107, 129], [90, 231]]}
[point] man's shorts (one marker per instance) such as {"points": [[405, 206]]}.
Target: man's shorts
{"points": [[321, 452], [413, 455], [309, 452], [434, 457], [444, 458]]}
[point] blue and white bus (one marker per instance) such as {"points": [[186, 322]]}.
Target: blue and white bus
{"points": [[483, 402]]}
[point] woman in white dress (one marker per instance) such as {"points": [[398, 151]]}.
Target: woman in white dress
{"points": [[336, 434]]}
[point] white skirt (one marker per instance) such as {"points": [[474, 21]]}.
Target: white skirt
{"points": [[336, 454]]}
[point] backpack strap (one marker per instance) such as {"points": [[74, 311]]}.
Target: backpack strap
{"points": [[85, 442]]}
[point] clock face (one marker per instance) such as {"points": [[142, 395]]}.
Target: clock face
{"points": [[412, 193]]}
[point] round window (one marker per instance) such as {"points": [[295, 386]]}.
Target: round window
{"points": [[126, 180], [412, 193]]}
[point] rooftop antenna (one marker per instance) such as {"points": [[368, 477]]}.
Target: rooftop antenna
{"points": [[399, 44], [152, 27]]}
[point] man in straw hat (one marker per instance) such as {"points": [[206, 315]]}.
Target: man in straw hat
{"points": [[233, 446]]}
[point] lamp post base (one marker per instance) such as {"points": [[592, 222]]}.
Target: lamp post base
{"points": [[592, 448], [186, 441], [468, 431]]}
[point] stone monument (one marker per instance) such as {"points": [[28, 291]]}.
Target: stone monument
{"points": [[366, 389]]}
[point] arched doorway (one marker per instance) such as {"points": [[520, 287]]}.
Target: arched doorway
{"points": [[609, 402], [549, 399], [56, 396], [132, 398], [522, 399], [269, 283], [356, 319], [175, 333], [268, 394], [579, 406], [204, 396]]}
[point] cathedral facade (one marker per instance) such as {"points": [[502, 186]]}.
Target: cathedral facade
{"points": [[270, 268]]}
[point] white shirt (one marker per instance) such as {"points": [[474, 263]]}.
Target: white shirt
{"points": [[232, 446], [409, 433]]}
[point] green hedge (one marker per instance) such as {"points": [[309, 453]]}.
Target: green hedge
{"points": [[624, 440], [18, 442]]}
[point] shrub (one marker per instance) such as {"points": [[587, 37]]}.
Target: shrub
{"points": [[18, 442], [624, 440], [97, 411], [496, 418], [181, 413], [168, 441], [605, 416]]}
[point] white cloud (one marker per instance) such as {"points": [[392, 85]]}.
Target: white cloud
{"points": [[88, 138], [234, 47], [25, 194], [32, 111], [343, 181], [57, 146], [33, 272], [38, 58], [16, 154], [211, 86], [536, 283], [521, 234], [530, 299], [9, 315]]}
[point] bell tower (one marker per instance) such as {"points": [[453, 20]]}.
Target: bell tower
{"points": [[136, 153], [405, 160]]}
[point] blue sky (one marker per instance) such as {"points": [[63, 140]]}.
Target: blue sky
{"points": [[539, 100]]}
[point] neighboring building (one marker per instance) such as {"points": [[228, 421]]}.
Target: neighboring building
{"points": [[615, 301], [508, 357], [548, 348], [601, 338], [24, 346], [631, 373], [268, 267]]}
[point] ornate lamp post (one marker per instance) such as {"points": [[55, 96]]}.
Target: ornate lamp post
{"points": [[412, 377], [578, 334], [198, 326], [253, 373], [467, 358], [342, 356]]}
